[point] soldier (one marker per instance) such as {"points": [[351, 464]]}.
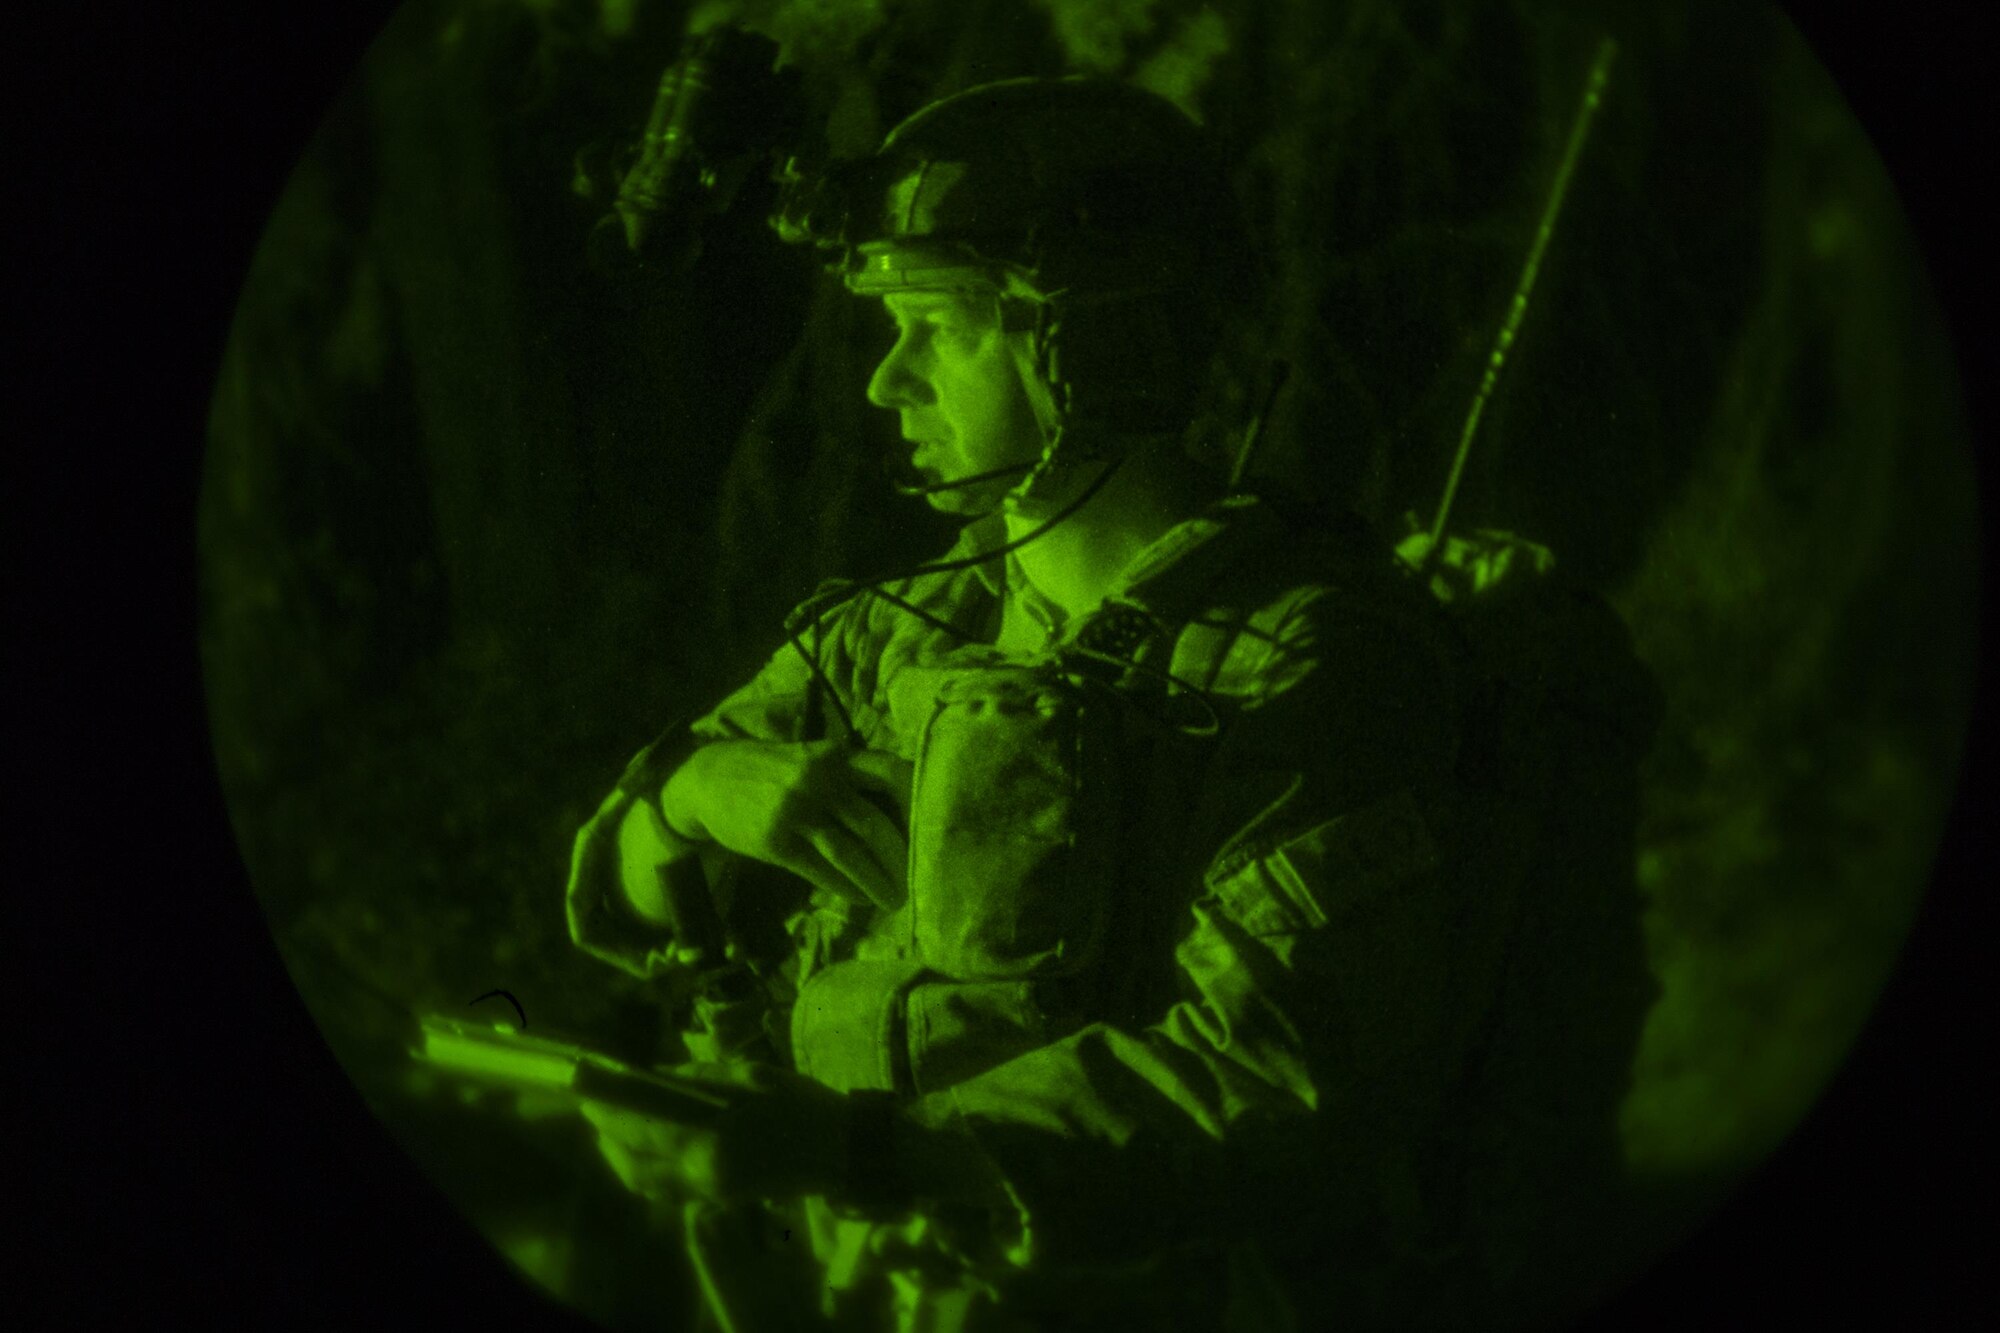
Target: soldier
{"points": [[1120, 973]]}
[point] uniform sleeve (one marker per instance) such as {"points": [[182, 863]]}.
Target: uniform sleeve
{"points": [[601, 922], [1315, 1036]]}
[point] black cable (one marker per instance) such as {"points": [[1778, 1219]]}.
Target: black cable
{"points": [[1281, 370], [811, 659], [1190, 690], [935, 622], [843, 591], [1005, 548]]}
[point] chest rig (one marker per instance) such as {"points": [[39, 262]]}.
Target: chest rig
{"points": [[1049, 861]]}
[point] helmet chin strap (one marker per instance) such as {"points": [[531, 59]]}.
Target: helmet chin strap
{"points": [[1028, 347], [1025, 348]]}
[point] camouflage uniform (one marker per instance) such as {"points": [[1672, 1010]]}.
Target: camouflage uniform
{"points": [[1208, 1002]]}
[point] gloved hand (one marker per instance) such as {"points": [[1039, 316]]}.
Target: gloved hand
{"points": [[803, 807], [1467, 566]]}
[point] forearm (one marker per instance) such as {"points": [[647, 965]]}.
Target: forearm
{"points": [[642, 882], [629, 920], [662, 819], [678, 795], [626, 862]]}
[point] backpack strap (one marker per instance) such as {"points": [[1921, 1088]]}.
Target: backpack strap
{"points": [[1144, 616]]}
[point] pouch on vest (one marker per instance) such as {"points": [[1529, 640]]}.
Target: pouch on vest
{"points": [[1014, 825], [847, 1024]]}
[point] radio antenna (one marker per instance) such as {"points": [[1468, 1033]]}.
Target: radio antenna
{"points": [[1593, 94]]}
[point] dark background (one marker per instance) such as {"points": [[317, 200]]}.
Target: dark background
{"points": [[221, 1158]]}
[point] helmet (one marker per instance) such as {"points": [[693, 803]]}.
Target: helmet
{"points": [[1095, 212]]}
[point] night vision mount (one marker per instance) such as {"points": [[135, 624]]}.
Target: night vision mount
{"points": [[726, 123]]}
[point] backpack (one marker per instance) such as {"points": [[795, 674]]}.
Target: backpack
{"points": [[1557, 717]]}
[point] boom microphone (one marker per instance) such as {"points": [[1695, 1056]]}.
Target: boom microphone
{"points": [[932, 488]]}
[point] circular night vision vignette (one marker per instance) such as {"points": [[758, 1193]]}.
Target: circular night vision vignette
{"points": [[363, 306]]}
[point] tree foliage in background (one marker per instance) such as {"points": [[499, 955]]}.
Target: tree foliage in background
{"points": [[478, 523]]}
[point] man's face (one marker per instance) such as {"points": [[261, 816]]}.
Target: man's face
{"points": [[951, 379]]}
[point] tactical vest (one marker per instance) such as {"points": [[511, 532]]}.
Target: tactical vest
{"points": [[1052, 858], [1041, 800], [1044, 829]]}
